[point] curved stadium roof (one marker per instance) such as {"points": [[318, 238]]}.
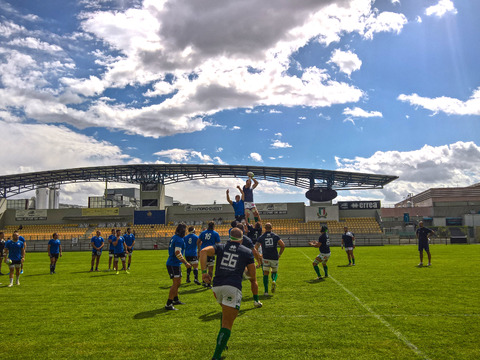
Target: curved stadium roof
{"points": [[172, 173]]}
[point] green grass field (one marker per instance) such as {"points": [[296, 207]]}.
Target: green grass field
{"points": [[383, 308]]}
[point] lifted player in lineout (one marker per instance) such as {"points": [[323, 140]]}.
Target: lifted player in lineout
{"points": [[248, 195]]}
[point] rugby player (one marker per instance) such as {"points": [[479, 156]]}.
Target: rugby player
{"points": [[22, 239], [348, 241], [15, 251], [248, 196], [119, 251], [248, 243], [324, 244], [270, 242], [232, 258], [2, 246], [97, 243], [129, 242], [422, 236], [238, 204], [208, 237], [191, 254], [54, 251], [111, 248], [174, 262]]}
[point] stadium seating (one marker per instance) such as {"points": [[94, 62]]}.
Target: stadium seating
{"points": [[362, 225]]}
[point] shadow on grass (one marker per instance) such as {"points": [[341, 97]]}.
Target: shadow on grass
{"points": [[345, 266], [151, 313], [35, 275], [315, 281], [217, 315], [195, 290]]}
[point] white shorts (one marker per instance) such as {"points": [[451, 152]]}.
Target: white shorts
{"points": [[249, 205], [322, 258], [349, 249], [228, 295], [270, 264]]}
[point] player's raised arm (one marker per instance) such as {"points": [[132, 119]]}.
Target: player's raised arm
{"points": [[228, 197], [255, 183], [241, 192]]}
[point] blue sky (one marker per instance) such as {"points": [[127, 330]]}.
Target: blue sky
{"points": [[388, 87]]}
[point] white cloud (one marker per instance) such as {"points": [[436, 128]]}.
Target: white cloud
{"points": [[219, 149], [419, 19], [273, 111], [395, 2], [47, 147], [441, 8], [35, 44], [195, 55], [384, 22], [235, 128], [256, 157], [347, 61], [451, 165], [277, 144], [445, 104], [358, 112], [279, 134], [185, 155]]}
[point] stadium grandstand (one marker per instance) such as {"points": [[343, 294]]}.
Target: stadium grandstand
{"points": [[453, 212]]}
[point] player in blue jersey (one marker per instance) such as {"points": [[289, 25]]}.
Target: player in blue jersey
{"points": [[119, 251], [422, 236], [348, 241], [238, 204], [2, 246], [208, 237], [248, 195], [130, 242], [270, 242], [97, 243], [22, 239], [323, 244], [191, 254], [174, 262], [111, 252], [232, 258], [54, 251], [15, 251]]}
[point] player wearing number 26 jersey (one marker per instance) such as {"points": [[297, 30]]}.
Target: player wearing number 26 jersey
{"points": [[232, 258]]}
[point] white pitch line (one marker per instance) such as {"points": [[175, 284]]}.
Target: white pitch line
{"points": [[397, 333]]}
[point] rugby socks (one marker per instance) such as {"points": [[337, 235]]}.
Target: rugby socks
{"points": [[265, 282], [195, 273], [325, 268], [169, 302], [317, 270], [255, 298], [222, 339], [189, 270], [353, 259], [274, 276]]}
